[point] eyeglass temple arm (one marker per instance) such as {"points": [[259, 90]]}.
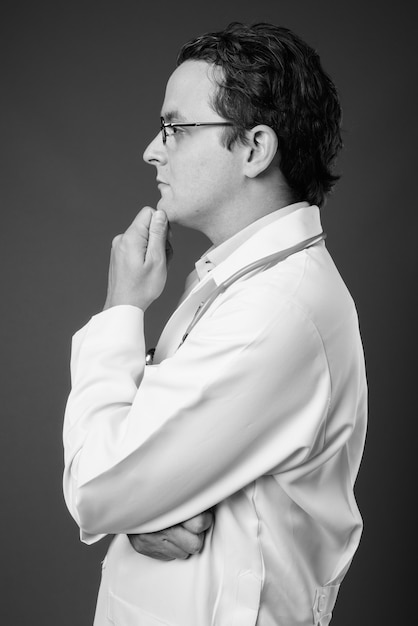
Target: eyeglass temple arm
{"points": [[171, 124]]}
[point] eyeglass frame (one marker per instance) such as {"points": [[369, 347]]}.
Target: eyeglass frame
{"points": [[164, 125]]}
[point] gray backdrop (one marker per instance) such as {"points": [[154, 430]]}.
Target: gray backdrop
{"points": [[82, 88]]}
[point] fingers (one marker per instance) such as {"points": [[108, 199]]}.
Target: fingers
{"points": [[157, 546], [176, 542], [149, 233], [200, 523], [174, 550], [135, 238], [157, 237], [138, 261], [184, 540], [168, 247]]}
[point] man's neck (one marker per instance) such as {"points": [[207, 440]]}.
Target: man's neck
{"points": [[229, 227], [257, 198]]}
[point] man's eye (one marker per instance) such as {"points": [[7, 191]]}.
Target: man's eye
{"points": [[173, 130]]}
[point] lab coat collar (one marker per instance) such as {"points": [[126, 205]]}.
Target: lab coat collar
{"points": [[284, 233], [217, 254]]}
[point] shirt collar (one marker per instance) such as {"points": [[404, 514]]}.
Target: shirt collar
{"points": [[217, 254]]}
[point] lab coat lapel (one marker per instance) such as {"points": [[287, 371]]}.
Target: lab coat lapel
{"points": [[176, 326]]}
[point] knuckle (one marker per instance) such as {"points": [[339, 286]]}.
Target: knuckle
{"points": [[116, 240], [199, 526], [136, 542], [200, 523], [143, 217], [196, 544], [193, 526]]}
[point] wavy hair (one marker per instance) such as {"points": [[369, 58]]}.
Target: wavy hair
{"points": [[270, 76]]}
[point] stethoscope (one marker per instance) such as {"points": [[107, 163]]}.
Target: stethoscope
{"points": [[264, 262]]}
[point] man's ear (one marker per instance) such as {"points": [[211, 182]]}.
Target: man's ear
{"points": [[261, 148]]}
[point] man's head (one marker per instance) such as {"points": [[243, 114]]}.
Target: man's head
{"points": [[270, 76], [199, 179], [251, 123]]}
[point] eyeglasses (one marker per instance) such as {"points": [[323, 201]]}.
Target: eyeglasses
{"points": [[168, 128]]}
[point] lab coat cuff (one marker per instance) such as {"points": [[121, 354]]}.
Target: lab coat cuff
{"points": [[122, 324]]}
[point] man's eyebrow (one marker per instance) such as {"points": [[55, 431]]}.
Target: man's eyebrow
{"points": [[173, 116]]}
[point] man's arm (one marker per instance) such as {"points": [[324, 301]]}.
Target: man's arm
{"points": [[147, 448], [145, 238]]}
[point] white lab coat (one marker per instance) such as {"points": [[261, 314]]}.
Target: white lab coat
{"points": [[261, 414]]}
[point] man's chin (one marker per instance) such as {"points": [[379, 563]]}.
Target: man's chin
{"points": [[163, 205]]}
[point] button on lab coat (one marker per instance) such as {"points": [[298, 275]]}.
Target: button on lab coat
{"points": [[260, 414]]}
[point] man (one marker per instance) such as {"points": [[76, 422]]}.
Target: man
{"points": [[239, 445]]}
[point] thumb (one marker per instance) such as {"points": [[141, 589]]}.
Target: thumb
{"points": [[157, 235]]}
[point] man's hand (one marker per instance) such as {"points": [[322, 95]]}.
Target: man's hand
{"points": [[176, 542], [138, 263]]}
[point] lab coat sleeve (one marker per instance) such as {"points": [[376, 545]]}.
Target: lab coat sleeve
{"points": [[147, 447]]}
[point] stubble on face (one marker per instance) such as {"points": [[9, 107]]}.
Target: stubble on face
{"points": [[199, 173]]}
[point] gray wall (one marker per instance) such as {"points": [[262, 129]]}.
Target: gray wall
{"points": [[82, 88]]}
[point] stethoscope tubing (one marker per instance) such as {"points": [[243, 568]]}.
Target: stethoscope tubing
{"points": [[269, 260]]}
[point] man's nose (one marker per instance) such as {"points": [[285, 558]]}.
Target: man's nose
{"points": [[155, 152]]}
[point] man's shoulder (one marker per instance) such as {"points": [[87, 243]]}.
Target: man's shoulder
{"points": [[305, 289]]}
